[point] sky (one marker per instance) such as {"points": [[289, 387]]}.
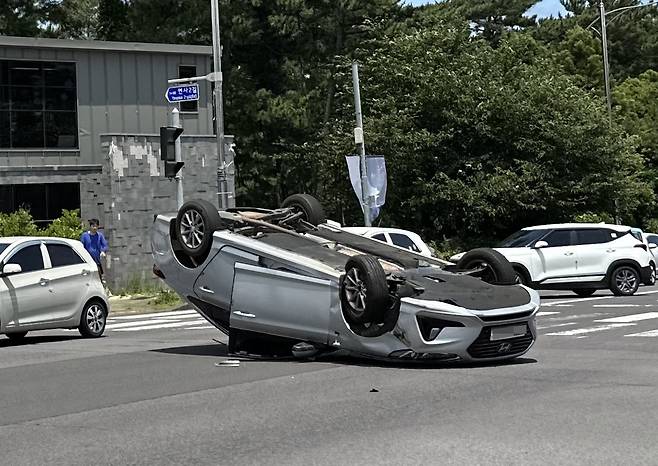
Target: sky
{"points": [[542, 9]]}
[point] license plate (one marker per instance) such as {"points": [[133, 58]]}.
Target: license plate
{"points": [[511, 331]]}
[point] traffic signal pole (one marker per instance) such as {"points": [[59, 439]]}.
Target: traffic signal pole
{"points": [[175, 121]]}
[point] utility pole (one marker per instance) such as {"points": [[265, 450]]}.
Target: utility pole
{"points": [[361, 148], [175, 121], [606, 68], [224, 197]]}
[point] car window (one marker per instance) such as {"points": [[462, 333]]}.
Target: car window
{"points": [[3, 246], [651, 239], [379, 236], [62, 255], [29, 258], [593, 236], [404, 242], [522, 238], [559, 238], [637, 234]]}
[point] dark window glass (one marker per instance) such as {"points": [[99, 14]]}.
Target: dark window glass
{"points": [[62, 255], [38, 105], [652, 239], [380, 237], [521, 239], [62, 196], [3, 247], [31, 197], [61, 130], [27, 129], [44, 201], [188, 71], [559, 238], [29, 258], [6, 198], [593, 236], [403, 241]]}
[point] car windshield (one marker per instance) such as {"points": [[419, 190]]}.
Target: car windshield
{"points": [[521, 238], [3, 246]]}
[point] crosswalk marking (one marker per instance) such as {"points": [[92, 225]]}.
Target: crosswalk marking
{"points": [[556, 325], [650, 333], [182, 313], [166, 325], [582, 331], [546, 313], [631, 318]]}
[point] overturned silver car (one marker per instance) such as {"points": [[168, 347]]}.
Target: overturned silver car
{"points": [[286, 281]]}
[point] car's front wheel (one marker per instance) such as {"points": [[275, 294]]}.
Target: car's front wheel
{"points": [[16, 336], [93, 319], [624, 280], [493, 266], [195, 223], [364, 290]]}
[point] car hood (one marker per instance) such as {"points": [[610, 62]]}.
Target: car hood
{"points": [[464, 291]]}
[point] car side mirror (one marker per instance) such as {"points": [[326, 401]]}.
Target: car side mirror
{"points": [[10, 269], [540, 244], [653, 245]]}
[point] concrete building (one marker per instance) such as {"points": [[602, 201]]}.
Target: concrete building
{"points": [[79, 126]]}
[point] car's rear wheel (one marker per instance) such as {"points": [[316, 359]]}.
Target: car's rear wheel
{"points": [[495, 268], [16, 336], [624, 280], [364, 290], [584, 292], [195, 224], [93, 319], [309, 206]]}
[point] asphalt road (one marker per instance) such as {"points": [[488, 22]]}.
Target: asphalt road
{"points": [[150, 392]]}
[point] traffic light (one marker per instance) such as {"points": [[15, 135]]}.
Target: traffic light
{"points": [[168, 136]]}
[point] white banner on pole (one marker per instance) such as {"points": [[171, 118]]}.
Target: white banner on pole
{"points": [[377, 183]]}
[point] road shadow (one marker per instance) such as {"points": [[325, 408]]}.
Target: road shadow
{"points": [[214, 350], [37, 339], [425, 365]]}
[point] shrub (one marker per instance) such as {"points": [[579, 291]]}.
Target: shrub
{"points": [[591, 217], [66, 226], [19, 223]]}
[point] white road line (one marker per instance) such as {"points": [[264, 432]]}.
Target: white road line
{"points": [[158, 326], [650, 333], [581, 331], [546, 313], [200, 327], [580, 300], [631, 318], [156, 314], [555, 325], [621, 305], [564, 305], [135, 323]]}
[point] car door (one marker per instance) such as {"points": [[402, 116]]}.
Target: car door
{"points": [[592, 251], [557, 260], [69, 277], [27, 291], [277, 302]]}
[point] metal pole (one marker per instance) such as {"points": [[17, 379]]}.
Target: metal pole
{"points": [[175, 121], [361, 147], [606, 69], [224, 198]]}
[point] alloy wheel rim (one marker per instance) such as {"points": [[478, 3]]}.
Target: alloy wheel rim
{"points": [[192, 229], [355, 290], [626, 280], [95, 318]]}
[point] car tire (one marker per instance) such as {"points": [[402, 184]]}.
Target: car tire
{"points": [[497, 269], [364, 290], [522, 277], [584, 292], [308, 205], [93, 320], [652, 278], [195, 223], [16, 336], [624, 280]]}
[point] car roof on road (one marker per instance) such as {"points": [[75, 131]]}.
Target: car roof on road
{"points": [[563, 226]]}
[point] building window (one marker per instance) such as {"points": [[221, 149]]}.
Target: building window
{"points": [[38, 105], [188, 71], [44, 201]]}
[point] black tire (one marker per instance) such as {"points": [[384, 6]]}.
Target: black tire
{"points": [[521, 276], [497, 269], [16, 336], [584, 292], [195, 223], [93, 319], [364, 290], [308, 205], [652, 278], [624, 280]]}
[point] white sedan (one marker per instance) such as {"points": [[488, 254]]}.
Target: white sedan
{"points": [[395, 237], [48, 283]]}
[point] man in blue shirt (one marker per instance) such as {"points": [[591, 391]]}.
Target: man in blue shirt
{"points": [[95, 243]]}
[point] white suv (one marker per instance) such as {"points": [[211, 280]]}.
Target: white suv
{"points": [[582, 257]]}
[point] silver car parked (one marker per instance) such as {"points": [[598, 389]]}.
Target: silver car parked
{"points": [[48, 283], [286, 281]]}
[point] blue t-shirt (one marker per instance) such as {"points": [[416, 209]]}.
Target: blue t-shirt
{"points": [[94, 244]]}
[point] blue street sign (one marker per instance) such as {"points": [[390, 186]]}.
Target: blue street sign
{"points": [[182, 93]]}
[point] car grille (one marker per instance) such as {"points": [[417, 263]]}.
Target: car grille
{"points": [[483, 347], [517, 315]]}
